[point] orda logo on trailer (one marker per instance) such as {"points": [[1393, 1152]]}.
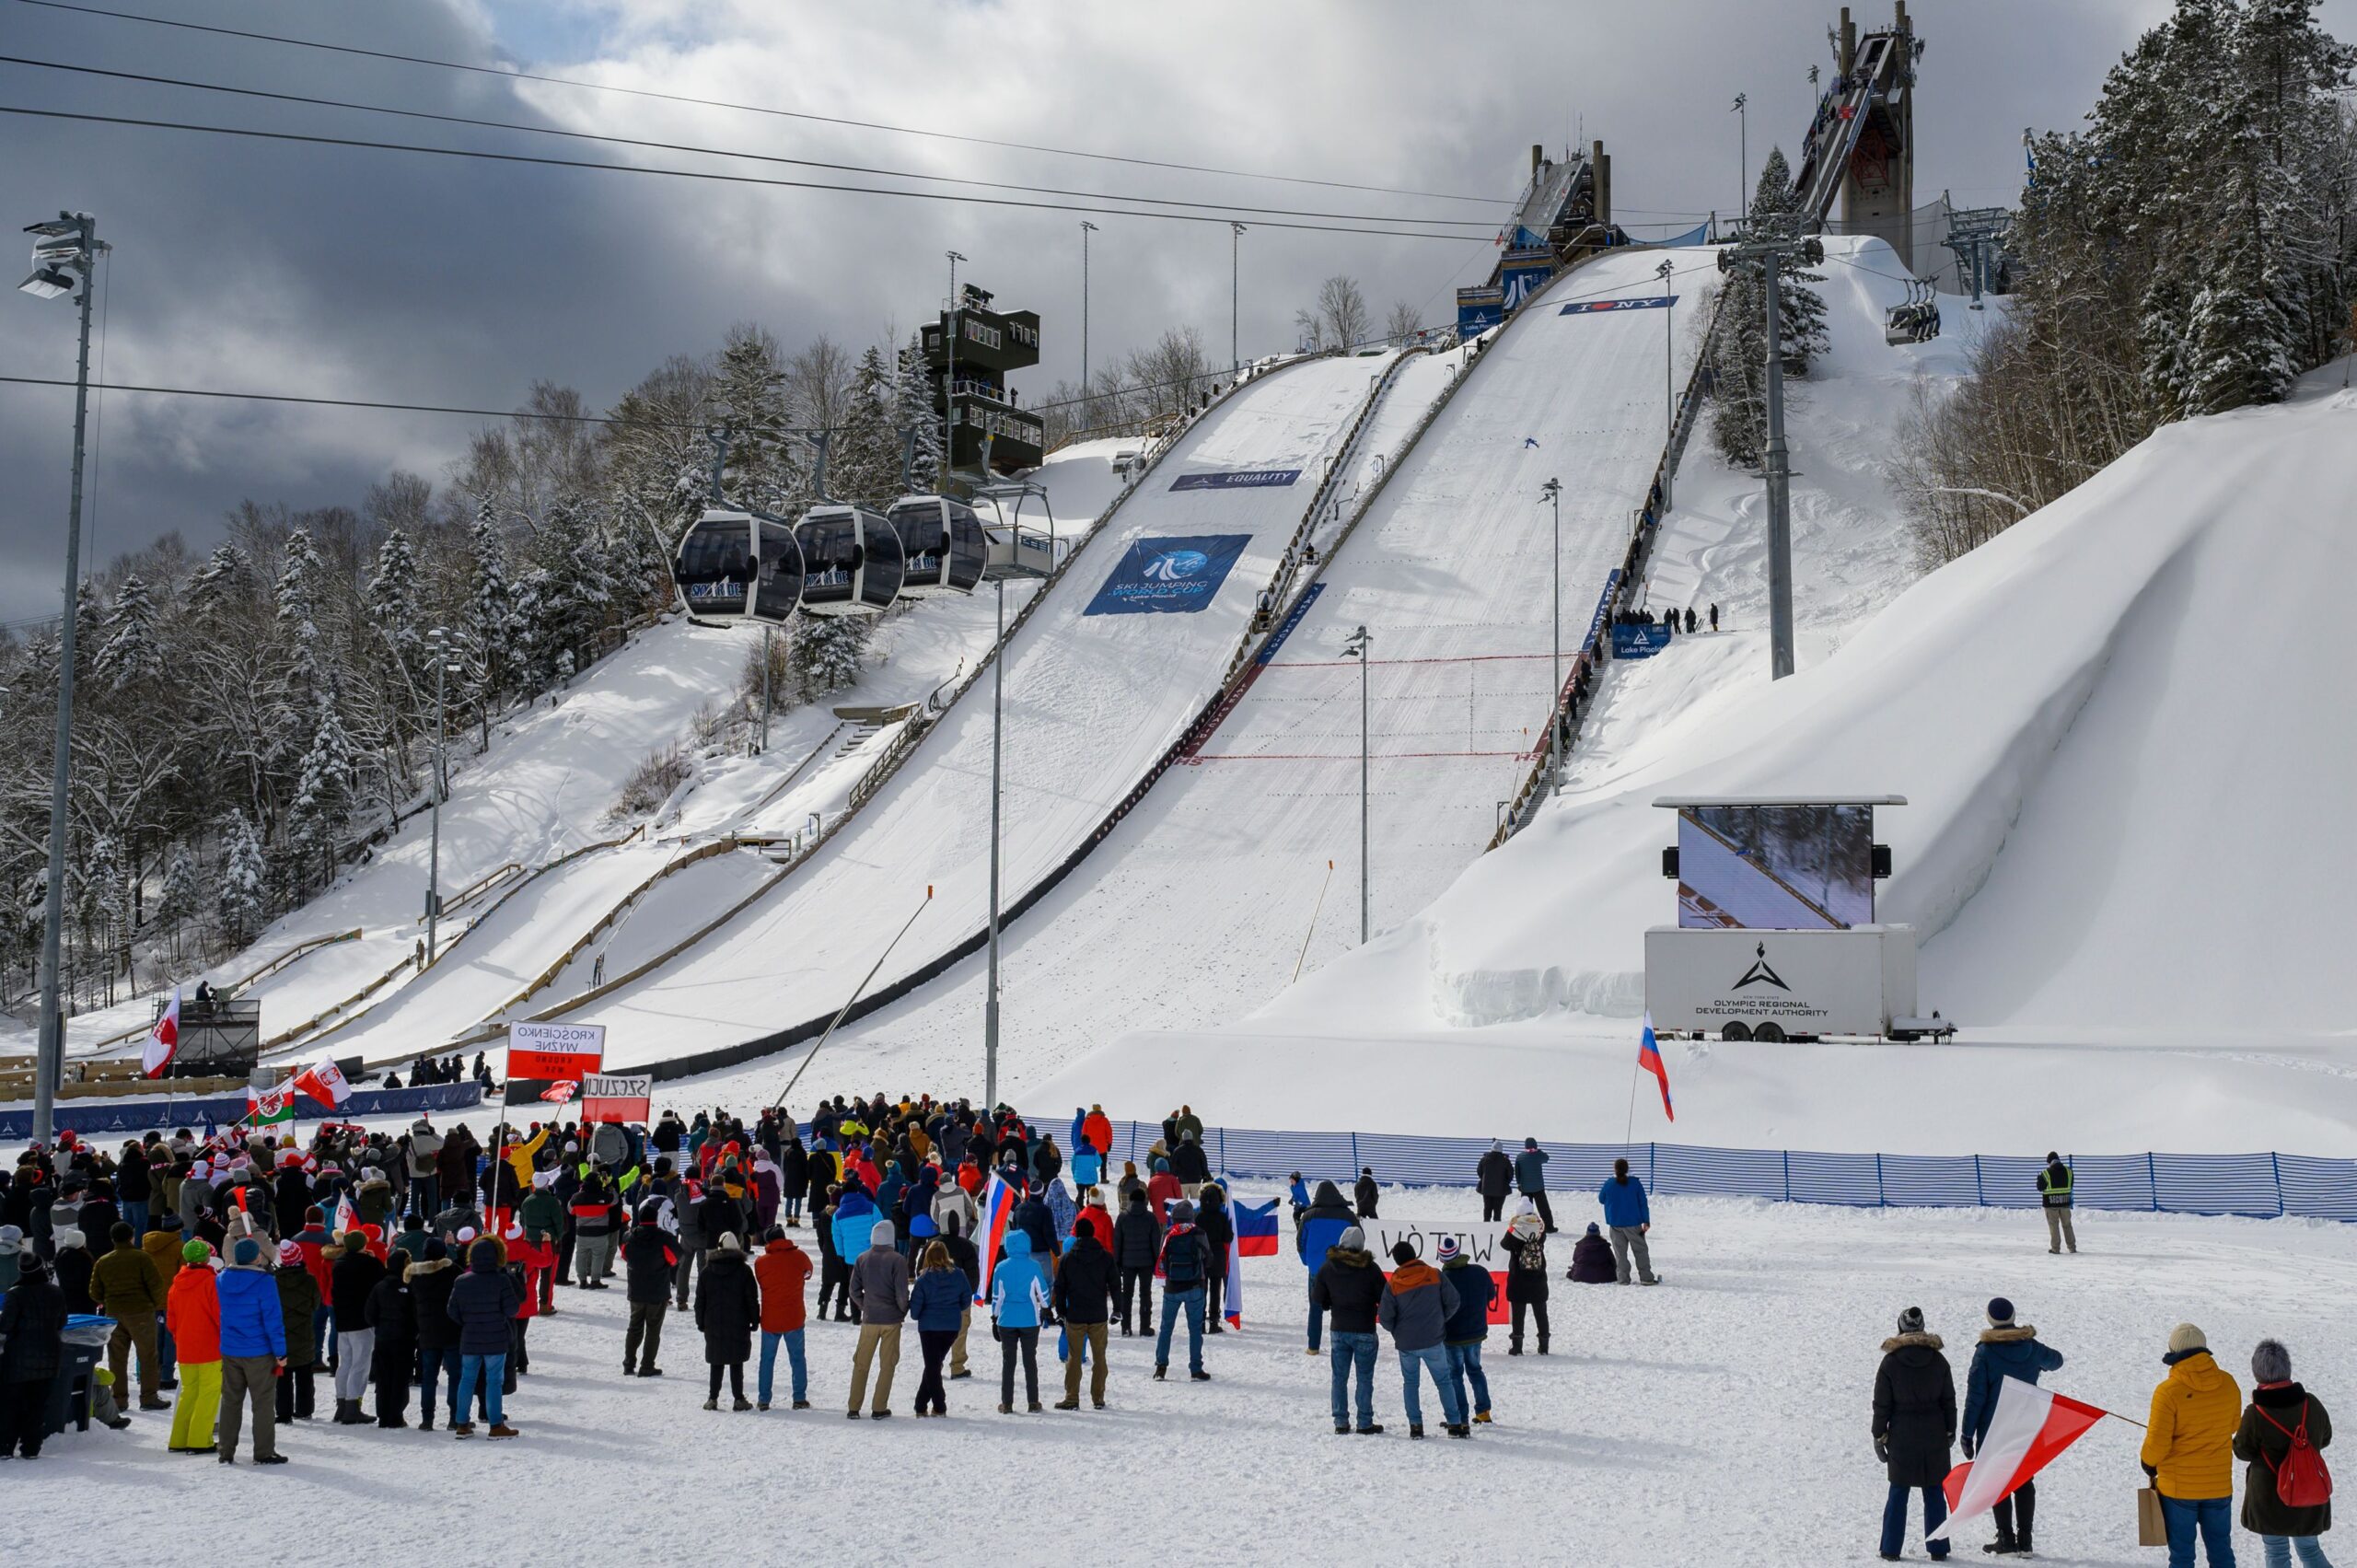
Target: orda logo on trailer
{"points": [[1169, 576]]}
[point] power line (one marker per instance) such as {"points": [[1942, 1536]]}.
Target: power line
{"points": [[343, 402], [707, 174], [721, 151], [743, 108]]}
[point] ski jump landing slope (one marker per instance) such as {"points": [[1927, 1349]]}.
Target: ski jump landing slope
{"points": [[1196, 908], [2122, 727], [1092, 700]]}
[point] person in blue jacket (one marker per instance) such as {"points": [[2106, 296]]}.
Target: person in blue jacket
{"points": [[2007, 1350], [482, 1304], [1627, 1217], [1018, 1305], [1088, 1163], [1318, 1230], [253, 1352], [854, 1218]]}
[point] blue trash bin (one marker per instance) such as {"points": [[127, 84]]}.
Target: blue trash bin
{"points": [[82, 1345]]}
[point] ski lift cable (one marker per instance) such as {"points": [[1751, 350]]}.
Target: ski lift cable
{"points": [[651, 93]]}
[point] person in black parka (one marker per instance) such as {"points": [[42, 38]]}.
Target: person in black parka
{"points": [[1493, 1179], [32, 1327], [1914, 1428], [1365, 1193], [728, 1310], [1592, 1260], [391, 1312], [1137, 1242]]}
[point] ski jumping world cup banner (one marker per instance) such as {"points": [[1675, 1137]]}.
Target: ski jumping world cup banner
{"points": [[1170, 576], [1482, 1241], [541, 1055]]}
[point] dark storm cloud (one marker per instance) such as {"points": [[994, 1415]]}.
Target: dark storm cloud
{"points": [[250, 265]]}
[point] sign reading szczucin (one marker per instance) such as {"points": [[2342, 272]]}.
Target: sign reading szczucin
{"points": [[542, 1054], [1169, 576], [1236, 479]]}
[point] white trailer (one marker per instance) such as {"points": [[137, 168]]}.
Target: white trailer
{"points": [[1777, 985]]}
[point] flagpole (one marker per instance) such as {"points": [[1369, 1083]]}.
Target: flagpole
{"points": [[1629, 1133], [849, 1002]]}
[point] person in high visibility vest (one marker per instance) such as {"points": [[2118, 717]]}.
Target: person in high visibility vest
{"points": [[2054, 1196]]}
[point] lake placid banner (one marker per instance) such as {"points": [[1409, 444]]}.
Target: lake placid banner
{"points": [[1169, 576]]}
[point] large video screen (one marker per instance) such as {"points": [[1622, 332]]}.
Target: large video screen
{"points": [[1776, 868]]}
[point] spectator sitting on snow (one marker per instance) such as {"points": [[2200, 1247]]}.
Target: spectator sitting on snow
{"points": [[1591, 1260]]}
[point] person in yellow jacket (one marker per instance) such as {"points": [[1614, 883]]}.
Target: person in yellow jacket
{"points": [[520, 1157], [2188, 1449]]}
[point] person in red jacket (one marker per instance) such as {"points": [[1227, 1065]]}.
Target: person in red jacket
{"points": [[783, 1271], [1094, 1219], [1163, 1191], [969, 1176]]}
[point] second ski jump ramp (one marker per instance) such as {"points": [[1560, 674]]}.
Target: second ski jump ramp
{"points": [[1107, 675], [1199, 903]]}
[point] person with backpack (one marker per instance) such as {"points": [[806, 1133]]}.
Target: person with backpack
{"points": [[1416, 1306], [1468, 1325], [2287, 1492], [2007, 1350], [1526, 1248], [1914, 1426], [651, 1258], [1185, 1264], [2188, 1449], [1217, 1223], [2054, 1196]]}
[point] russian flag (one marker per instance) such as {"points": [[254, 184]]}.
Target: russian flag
{"points": [[997, 1207], [1234, 1313], [1649, 1060], [1256, 1228]]}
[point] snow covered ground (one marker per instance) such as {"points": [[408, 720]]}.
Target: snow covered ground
{"points": [[1723, 1415]]}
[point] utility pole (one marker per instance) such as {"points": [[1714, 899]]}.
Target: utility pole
{"points": [[1235, 274], [437, 640], [1669, 377], [1087, 228], [1742, 152], [63, 248], [1773, 256], [1355, 647], [949, 379], [990, 1006], [1553, 491]]}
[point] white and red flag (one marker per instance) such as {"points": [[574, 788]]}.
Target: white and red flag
{"points": [[2030, 1427], [324, 1082], [164, 1040]]}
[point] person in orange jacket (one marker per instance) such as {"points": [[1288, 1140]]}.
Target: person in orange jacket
{"points": [[782, 1270], [1098, 1128], [193, 1316]]}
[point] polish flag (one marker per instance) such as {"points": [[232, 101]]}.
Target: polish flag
{"points": [[163, 1041], [2030, 1427], [324, 1082]]}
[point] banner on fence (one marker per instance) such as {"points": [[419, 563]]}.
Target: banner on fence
{"points": [[1638, 640]]}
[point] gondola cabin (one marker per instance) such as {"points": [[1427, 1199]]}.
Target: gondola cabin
{"points": [[852, 561], [736, 566], [943, 542]]}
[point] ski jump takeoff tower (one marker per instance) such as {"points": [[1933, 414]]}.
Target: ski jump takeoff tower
{"points": [[1860, 145]]}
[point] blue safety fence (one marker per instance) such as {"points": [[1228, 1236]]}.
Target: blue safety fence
{"points": [[2262, 1185], [85, 1117]]}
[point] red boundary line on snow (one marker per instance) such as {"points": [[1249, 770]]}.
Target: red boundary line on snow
{"points": [[1339, 755], [1460, 659]]}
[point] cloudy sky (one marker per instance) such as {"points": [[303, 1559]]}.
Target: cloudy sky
{"points": [[254, 265]]}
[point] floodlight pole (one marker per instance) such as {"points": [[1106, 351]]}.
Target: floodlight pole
{"points": [[990, 1005], [1355, 647], [1553, 491], [1234, 295], [438, 642], [1087, 228], [1669, 378], [49, 1062], [949, 379]]}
